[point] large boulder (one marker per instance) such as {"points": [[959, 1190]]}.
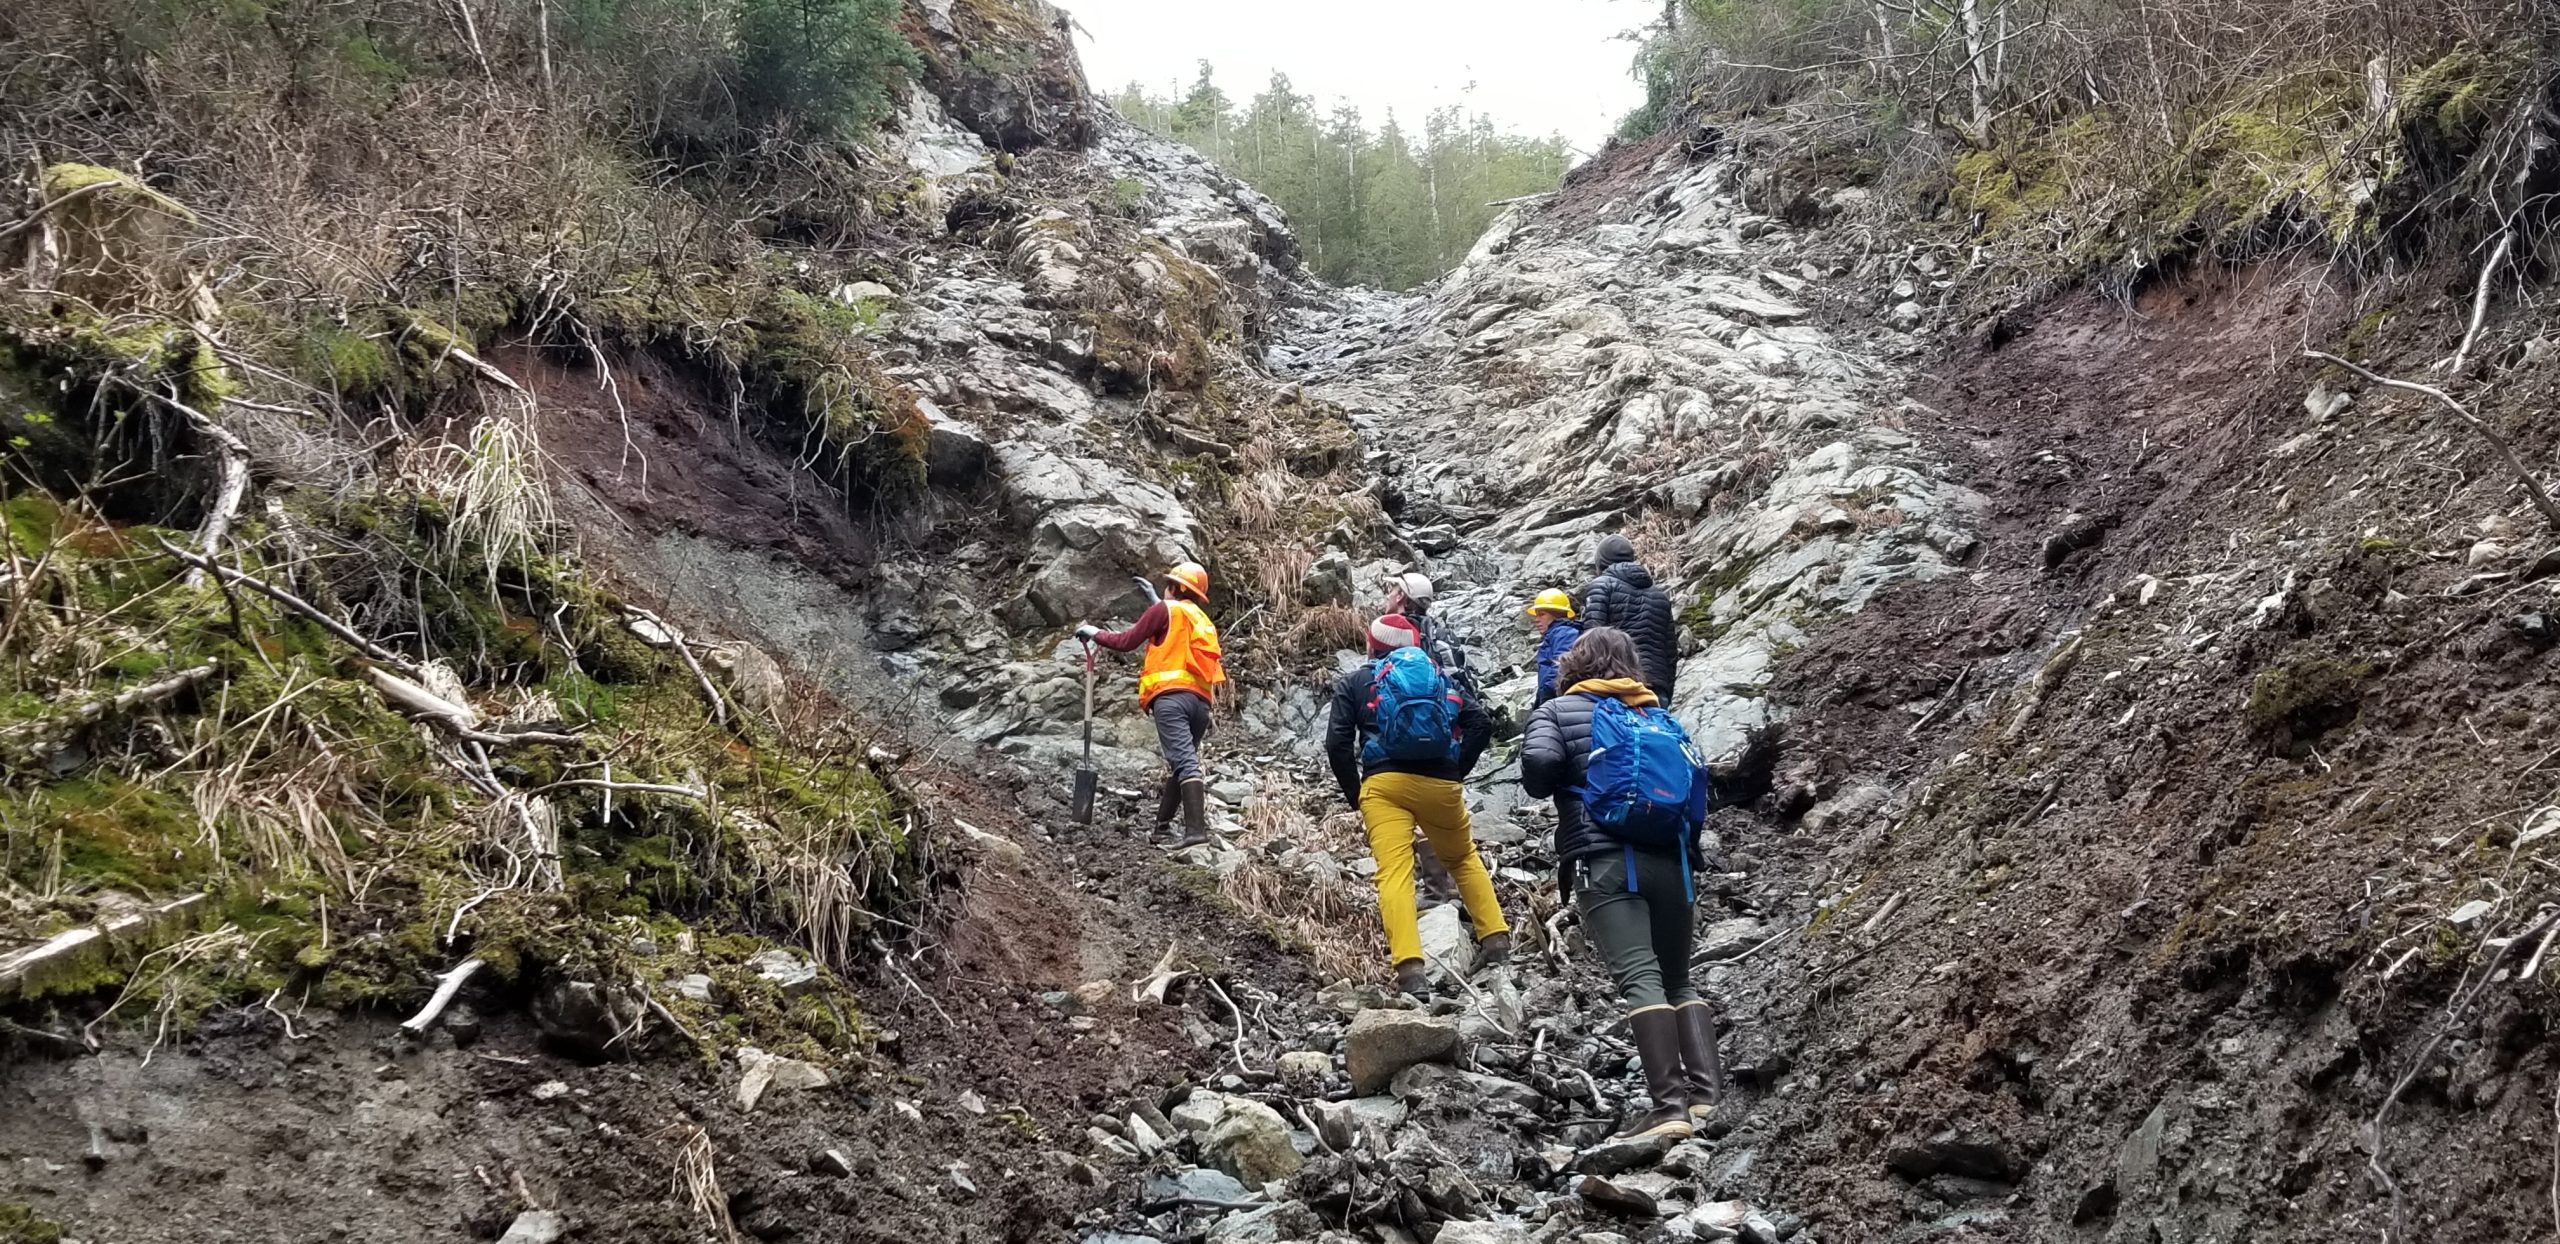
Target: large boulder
{"points": [[1006, 69], [1382, 1043], [1094, 528]]}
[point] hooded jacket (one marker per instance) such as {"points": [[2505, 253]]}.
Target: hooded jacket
{"points": [[1551, 649], [1350, 722], [1556, 749], [1624, 597]]}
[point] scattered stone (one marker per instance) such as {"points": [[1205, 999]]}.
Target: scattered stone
{"points": [[835, 1162], [1619, 1155], [1095, 995], [462, 1023], [585, 1017], [695, 987], [1612, 1198], [1446, 944], [760, 1072], [1252, 1143], [537, 1226], [1483, 1233], [1195, 1183], [1382, 1043], [1306, 1066], [1717, 1220], [972, 1102], [1004, 851], [1448, 1083], [789, 972], [1726, 939], [550, 1089], [1231, 793], [1947, 1153], [1495, 1010], [1199, 1113], [1144, 1135], [1371, 1120]]}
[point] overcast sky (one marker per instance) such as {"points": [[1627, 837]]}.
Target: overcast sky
{"points": [[1536, 66]]}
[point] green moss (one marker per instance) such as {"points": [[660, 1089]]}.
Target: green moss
{"points": [[66, 178], [19, 1224], [2290, 695], [343, 360]]}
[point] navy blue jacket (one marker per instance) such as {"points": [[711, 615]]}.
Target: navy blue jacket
{"points": [[1551, 649]]}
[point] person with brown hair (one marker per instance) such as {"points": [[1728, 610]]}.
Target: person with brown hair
{"points": [[1630, 876]]}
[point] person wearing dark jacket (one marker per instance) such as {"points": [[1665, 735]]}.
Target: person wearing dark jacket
{"points": [[1624, 597], [1396, 797], [1636, 904]]}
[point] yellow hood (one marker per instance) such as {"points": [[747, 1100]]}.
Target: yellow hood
{"points": [[1633, 693]]}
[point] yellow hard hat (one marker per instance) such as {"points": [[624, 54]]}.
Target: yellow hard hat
{"points": [[1554, 601], [1191, 577]]}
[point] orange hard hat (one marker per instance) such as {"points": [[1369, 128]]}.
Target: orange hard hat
{"points": [[1191, 577]]}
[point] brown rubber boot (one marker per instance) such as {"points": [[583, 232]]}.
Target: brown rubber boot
{"points": [[1195, 815], [1657, 1032], [1701, 1070], [1493, 951], [1168, 802], [1413, 980]]}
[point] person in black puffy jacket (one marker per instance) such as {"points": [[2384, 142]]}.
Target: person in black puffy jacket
{"points": [[1624, 597], [1637, 904]]}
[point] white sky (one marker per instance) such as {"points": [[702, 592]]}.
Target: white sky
{"points": [[1537, 66]]}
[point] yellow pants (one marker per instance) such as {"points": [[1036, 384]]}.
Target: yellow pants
{"points": [[1393, 805]]}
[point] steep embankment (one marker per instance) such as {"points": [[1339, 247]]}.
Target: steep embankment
{"points": [[2128, 730]]}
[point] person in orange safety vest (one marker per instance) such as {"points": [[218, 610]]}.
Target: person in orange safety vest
{"points": [[1176, 685]]}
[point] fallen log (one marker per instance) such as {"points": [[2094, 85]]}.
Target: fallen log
{"points": [[29, 741], [22, 971]]}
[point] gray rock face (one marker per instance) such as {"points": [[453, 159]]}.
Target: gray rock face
{"points": [[1576, 382], [1382, 1043], [1093, 527]]}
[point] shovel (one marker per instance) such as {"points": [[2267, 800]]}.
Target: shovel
{"points": [[1086, 779]]}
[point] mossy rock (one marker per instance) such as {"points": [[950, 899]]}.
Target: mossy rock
{"points": [[20, 1224], [2301, 701], [123, 243]]}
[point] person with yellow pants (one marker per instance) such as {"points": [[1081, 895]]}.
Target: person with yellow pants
{"points": [[1401, 740]]}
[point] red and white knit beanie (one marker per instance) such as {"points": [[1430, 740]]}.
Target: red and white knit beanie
{"points": [[1392, 631]]}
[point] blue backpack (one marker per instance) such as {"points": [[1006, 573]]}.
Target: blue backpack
{"points": [[1413, 711], [1645, 784]]}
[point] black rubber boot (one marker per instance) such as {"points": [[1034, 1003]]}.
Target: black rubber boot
{"points": [[1195, 815], [1168, 802], [1701, 1068], [1413, 980], [1657, 1032]]}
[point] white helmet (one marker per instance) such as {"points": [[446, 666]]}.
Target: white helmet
{"points": [[1415, 587]]}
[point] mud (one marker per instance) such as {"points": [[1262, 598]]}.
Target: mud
{"points": [[2167, 935]]}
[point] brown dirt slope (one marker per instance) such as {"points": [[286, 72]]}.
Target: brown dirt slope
{"points": [[2152, 924]]}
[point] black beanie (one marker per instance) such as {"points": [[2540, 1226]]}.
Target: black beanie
{"points": [[1613, 550]]}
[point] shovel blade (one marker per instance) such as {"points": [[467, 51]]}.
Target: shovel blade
{"points": [[1087, 782]]}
